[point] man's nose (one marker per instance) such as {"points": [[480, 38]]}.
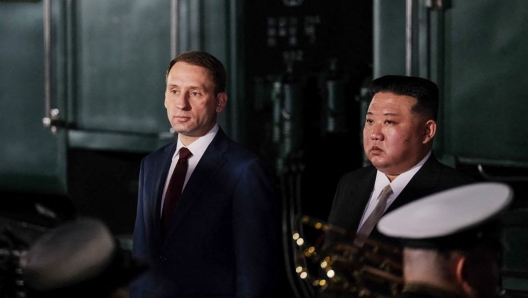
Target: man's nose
{"points": [[374, 131], [181, 101]]}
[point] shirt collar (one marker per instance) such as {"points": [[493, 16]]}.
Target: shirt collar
{"points": [[401, 181], [199, 146]]}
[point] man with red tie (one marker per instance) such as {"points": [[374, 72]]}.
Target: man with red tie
{"points": [[217, 237]]}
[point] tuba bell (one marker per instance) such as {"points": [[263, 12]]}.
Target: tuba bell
{"points": [[330, 260]]}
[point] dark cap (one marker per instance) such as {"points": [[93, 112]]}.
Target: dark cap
{"points": [[457, 218], [80, 257]]}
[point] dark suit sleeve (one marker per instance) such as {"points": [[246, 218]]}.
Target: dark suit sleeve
{"points": [[139, 239], [254, 221], [139, 251]]}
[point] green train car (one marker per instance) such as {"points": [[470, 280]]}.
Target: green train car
{"points": [[82, 87]]}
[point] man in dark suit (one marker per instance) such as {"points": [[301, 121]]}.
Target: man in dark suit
{"points": [[398, 140], [221, 238]]}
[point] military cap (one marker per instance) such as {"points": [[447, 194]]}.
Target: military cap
{"points": [[456, 218], [80, 257]]}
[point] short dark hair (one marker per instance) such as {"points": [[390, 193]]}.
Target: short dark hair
{"points": [[424, 90], [204, 59]]}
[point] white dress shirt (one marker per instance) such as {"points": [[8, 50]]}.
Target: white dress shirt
{"points": [[397, 186], [197, 149]]}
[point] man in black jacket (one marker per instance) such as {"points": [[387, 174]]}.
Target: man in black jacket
{"points": [[400, 125]]}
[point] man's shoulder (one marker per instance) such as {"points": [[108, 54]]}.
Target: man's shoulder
{"points": [[232, 148], [456, 177], [448, 176], [359, 172], [451, 171], [241, 152], [161, 152]]}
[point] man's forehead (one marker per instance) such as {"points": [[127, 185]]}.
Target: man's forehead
{"points": [[391, 104], [185, 78]]}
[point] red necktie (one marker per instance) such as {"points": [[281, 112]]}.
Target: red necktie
{"points": [[174, 189]]}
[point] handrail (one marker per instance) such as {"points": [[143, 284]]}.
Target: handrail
{"points": [[52, 115], [409, 36], [174, 28]]}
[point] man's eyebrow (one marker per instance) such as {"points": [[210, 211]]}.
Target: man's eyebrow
{"points": [[385, 114]]}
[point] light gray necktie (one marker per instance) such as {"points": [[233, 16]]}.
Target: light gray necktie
{"points": [[376, 214]]}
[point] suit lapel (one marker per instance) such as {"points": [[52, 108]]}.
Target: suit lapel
{"points": [[421, 184], [165, 163], [352, 195], [365, 186], [206, 169]]}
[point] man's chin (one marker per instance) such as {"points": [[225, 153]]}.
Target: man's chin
{"points": [[182, 129], [377, 162]]}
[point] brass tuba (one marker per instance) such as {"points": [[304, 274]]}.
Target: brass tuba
{"points": [[331, 260]]}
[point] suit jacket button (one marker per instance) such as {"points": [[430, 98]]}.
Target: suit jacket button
{"points": [[163, 258]]}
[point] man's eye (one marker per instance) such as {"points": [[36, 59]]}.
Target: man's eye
{"points": [[369, 121], [389, 122], [195, 93]]}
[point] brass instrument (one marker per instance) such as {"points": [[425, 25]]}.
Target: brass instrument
{"points": [[331, 260]]}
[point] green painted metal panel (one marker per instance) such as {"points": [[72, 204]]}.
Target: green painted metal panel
{"points": [[486, 79], [122, 50], [389, 37], [33, 158]]}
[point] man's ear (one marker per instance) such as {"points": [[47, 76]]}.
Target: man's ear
{"points": [[221, 100], [429, 131], [462, 273]]}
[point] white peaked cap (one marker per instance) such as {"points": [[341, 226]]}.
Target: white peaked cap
{"points": [[448, 213]]}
